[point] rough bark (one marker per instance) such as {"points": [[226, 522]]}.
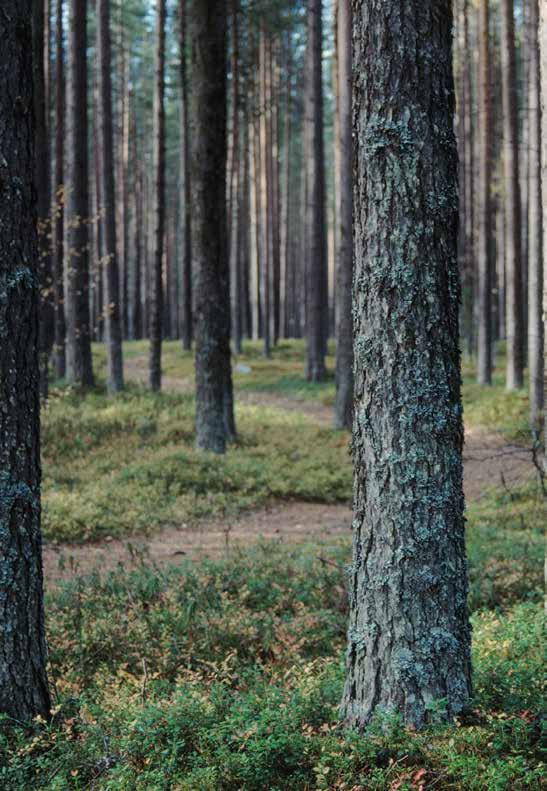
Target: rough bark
{"points": [[513, 252], [214, 400], [158, 169], [316, 258], [344, 331], [58, 220], [543, 80], [186, 306], [79, 369], [107, 202], [535, 241], [409, 635], [484, 231], [23, 680]]}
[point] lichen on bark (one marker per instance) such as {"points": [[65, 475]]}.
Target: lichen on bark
{"points": [[409, 634]]}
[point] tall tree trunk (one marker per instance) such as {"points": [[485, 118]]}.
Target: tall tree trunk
{"points": [[214, 398], [286, 189], [316, 225], [186, 307], [484, 249], [42, 183], [79, 369], [234, 186], [344, 335], [543, 81], [23, 680], [121, 164], [265, 205], [514, 318], [158, 169], [254, 168], [58, 227], [535, 242], [107, 202], [409, 635]]}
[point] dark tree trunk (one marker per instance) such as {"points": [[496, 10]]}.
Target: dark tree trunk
{"points": [[158, 169], [535, 242], [214, 399], [58, 227], [107, 202], [409, 635], [344, 335], [186, 306], [235, 184], [42, 182], [543, 91], [514, 315], [23, 680], [484, 247], [316, 258], [79, 369]]}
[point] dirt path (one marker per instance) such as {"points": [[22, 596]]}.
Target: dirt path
{"points": [[487, 457]]}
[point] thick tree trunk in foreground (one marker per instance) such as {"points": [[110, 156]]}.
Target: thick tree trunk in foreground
{"points": [[344, 335], [23, 680], [158, 169], [107, 203], [79, 369], [513, 267], [214, 399], [409, 635], [316, 258], [484, 251], [535, 241]]}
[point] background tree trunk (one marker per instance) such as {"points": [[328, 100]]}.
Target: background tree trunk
{"points": [[43, 190], [214, 400], [409, 635], [484, 248], [23, 680], [186, 307], [513, 252], [59, 208], [107, 202], [543, 79], [535, 241], [158, 169], [79, 369], [316, 258], [344, 335]]}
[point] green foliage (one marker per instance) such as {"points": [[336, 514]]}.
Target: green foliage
{"points": [[228, 675], [116, 466]]}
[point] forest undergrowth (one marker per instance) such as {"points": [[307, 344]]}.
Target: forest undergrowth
{"points": [[227, 674]]}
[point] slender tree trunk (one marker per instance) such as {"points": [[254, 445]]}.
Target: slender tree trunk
{"points": [[409, 635], [234, 186], [23, 680], [344, 336], [78, 337], [107, 202], [186, 306], [214, 398], [286, 189], [42, 182], [265, 248], [255, 218], [543, 91], [58, 227], [514, 318], [485, 267], [535, 240], [316, 225], [158, 168]]}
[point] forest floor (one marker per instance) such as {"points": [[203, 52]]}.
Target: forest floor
{"points": [[196, 605], [490, 460]]}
